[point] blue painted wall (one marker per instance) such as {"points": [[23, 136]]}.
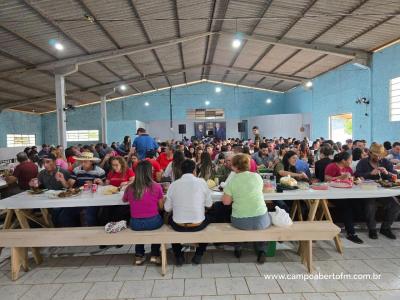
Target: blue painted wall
{"points": [[122, 114], [19, 123], [385, 66], [334, 93]]}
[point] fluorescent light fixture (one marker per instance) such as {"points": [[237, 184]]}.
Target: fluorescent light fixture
{"points": [[218, 89], [207, 103], [236, 43], [59, 46], [122, 87], [146, 104], [268, 101]]}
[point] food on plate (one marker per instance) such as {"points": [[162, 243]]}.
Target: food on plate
{"points": [[69, 193], [36, 191], [211, 183], [111, 190], [388, 184], [288, 181], [341, 183], [368, 185], [322, 186], [303, 185]]}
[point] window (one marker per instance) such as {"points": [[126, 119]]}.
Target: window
{"points": [[341, 127], [395, 99], [82, 135], [21, 140], [205, 114]]}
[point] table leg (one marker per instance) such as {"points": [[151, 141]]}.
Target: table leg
{"points": [[314, 204], [328, 217], [163, 259], [23, 222]]}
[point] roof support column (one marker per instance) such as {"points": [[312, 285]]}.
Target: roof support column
{"points": [[59, 80], [103, 106]]}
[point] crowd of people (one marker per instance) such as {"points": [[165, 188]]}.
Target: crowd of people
{"points": [[140, 167]]}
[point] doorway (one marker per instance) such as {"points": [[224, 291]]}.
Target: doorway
{"points": [[341, 127]]}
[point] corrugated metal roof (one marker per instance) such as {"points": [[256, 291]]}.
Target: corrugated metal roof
{"points": [[27, 26]]}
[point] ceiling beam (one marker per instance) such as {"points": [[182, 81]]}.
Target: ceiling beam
{"points": [[221, 12], [178, 31], [296, 79], [108, 54], [239, 51], [295, 44], [208, 39]]}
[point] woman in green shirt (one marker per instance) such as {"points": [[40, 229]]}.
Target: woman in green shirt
{"points": [[245, 192]]}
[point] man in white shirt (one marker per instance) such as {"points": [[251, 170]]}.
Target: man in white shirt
{"points": [[187, 199]]}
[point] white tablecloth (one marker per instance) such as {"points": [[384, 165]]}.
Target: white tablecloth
{"points": [[3, 183], [27, 201]]}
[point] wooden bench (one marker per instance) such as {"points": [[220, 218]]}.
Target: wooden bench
{"points": [[20, 239]]}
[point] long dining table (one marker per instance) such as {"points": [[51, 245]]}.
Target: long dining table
{"points": [[21, 205]]}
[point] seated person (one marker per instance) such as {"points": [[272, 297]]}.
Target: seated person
{"points": [[174, 169], [23, 173], [157, 171], [55, 178], [245, 193], [206, 169], [394, 153], [187, 198], [287, 167], [340, 168], [376, 167], [120, 175], [165, 158], [144, 197], [265, 156], [88, 172], [325, 153]]}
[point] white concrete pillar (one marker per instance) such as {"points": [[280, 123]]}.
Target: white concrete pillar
{"points": [[103, 108], [59, 80]]}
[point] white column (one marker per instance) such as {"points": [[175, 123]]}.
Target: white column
{"points": [[60, 103], [104, 119], [59, 80]]}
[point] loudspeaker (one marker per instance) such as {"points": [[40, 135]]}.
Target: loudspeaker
{"points": [[241, 127], [182, 128]]}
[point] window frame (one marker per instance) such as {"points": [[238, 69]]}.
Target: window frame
{"points": [[31, 138], [392, 116], [82, 135]]}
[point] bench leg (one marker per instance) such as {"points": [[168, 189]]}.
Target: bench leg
{"points": [[307, 253], [8, 221], [163, 259], [19, 257], [327, 213]]}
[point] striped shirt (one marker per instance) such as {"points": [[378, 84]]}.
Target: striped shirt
{"points": [[81, 176]]}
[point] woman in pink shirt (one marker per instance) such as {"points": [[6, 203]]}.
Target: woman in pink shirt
{"points": [[144, 197]]}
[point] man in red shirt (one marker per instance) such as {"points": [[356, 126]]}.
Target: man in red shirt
{"points": [[23, 173], [157, 171], [166, 157]]}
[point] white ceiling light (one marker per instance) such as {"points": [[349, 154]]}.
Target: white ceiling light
{"points": [[207, 103], [268, 101], [146, 104], [236, 43], [308, 84], [218, 89], [59, 46], [122, 87]]}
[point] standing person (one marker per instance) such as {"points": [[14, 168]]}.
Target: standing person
{"points": [[340, 168], [188, 212], [145, 197], [245, 192], [144, 143], [376, 167], [125, 148], [257, 138], [165, 158], [23, 173]]}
